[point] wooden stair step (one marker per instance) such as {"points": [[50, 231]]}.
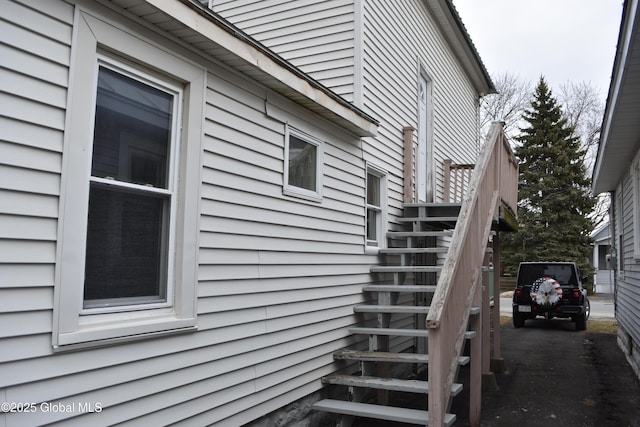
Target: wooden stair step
{"points": [[392, 384], [401, 332], [400, 288], [384, 356], [387, 413], [392, 309], [432, 209], [431, 205], [390, 332], [402, 251], [428, 219], [406, 269], [433, 233]]}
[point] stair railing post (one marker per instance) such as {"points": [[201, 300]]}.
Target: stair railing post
{"points": [[409, 165], [447, 180]]}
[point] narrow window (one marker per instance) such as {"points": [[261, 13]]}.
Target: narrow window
{"points": [[375, 208], [131, 192], [620, 228], [303, 162], [635, 187]]}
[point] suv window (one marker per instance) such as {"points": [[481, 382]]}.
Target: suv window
{"points": [[562, 273]]}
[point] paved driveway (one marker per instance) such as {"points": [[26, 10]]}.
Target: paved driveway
{"points": [[556, 376]]}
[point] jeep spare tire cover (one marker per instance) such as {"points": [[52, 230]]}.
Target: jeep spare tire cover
{"points": [[546, 292]]}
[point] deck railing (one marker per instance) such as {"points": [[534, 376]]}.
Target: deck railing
{"points": [[457, 178], [493, 184]]}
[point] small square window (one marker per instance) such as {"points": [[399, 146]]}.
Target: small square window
{"points": [[302, 164], [303, 170]]}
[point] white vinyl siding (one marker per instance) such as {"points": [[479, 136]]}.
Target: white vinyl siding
{"points": [[397, 42], [401, 41], [35, 68], [628, 280], [277, 277], [317, 36]]}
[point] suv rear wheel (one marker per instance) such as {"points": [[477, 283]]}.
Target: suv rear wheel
{"points": [[518, 320], [581, 320]]}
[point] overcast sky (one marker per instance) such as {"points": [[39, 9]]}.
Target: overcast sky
{"points": [[564, 40]]}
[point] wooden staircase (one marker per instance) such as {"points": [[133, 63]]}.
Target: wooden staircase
{"points": [[423, 315], [414, 262]]}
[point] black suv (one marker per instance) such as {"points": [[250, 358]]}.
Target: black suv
{"points": [[550, 289]]}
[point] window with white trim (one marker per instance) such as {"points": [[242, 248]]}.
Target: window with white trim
{"points": [[635, 187], [619, 227], [376, 196], [126, 263], [131, 189], [303, 165]]}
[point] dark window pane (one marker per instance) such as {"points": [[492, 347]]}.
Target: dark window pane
{"points": [[302, 163], [372, 225], [373, 190], [125, 247], [132, 130]]}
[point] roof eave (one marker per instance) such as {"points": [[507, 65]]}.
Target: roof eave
{"points": [[450, 22], [266, 66], [617, 146]]}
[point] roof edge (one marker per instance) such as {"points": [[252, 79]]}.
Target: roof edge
{"points": [[628, 23], [259, 56], [459, 39]]}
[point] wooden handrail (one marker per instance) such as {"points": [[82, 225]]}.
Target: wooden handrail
{"points": [[494, 181]]}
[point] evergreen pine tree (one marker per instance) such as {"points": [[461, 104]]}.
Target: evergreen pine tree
{"points": [[554, 190]]}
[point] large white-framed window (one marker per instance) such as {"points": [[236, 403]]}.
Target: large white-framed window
{"points": [[376, 196], [129, 207], [302, 165]]}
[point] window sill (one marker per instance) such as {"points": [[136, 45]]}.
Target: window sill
{"points": [[115, 332], [302, 194], [371, 250]]}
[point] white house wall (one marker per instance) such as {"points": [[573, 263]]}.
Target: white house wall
{"points": [[628, 280], [318, 36], [385, 45], [401, 40], [277, 276]]}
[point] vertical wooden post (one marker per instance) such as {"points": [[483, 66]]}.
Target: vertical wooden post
{"points": [[475, 372], [409, 165], [486, 319], [447, 180], [498, 363]]}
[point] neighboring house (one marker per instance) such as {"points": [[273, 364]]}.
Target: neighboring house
{"points": [[601, 260], [187, 219], [617, 171]]}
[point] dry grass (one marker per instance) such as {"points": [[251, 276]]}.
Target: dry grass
{"points": [[603, 326]]}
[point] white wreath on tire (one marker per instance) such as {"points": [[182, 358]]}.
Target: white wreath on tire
{"points": [[546, 291]]}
